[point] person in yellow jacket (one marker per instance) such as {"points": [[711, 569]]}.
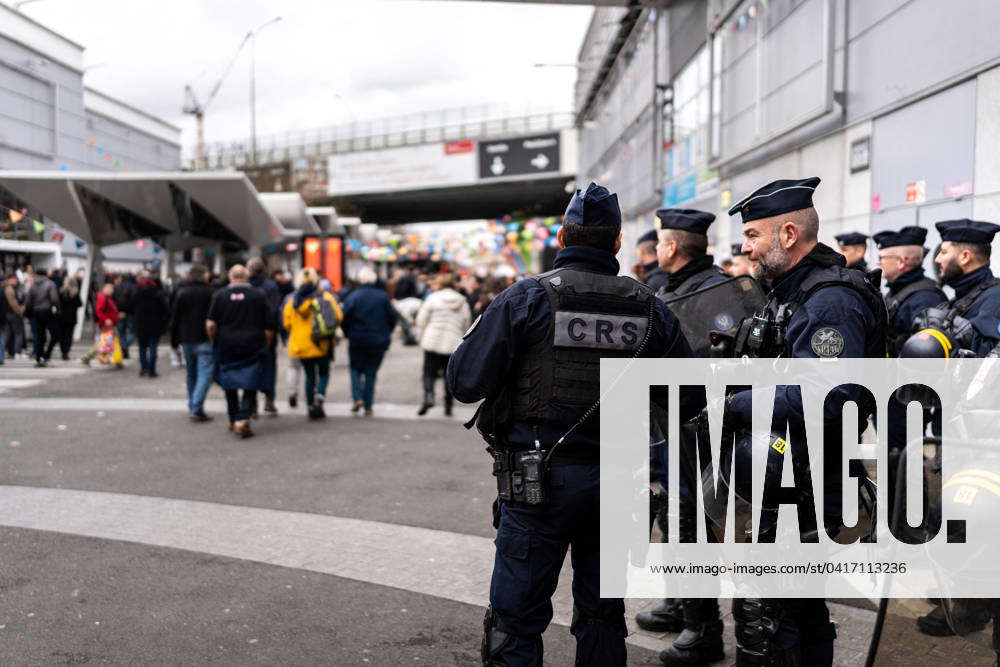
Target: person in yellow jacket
{"points": [[305, 341]]}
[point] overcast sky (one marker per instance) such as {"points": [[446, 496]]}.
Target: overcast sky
{"points": [[385, 57]]}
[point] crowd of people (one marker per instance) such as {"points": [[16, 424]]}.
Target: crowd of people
{"points": [[229, 329]]}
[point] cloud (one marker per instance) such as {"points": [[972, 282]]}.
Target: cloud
{"points": [[385, 58]]}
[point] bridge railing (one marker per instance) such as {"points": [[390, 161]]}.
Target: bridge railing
{"points": [[313, 145]]}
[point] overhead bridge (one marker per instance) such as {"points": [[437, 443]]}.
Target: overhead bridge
{"points": [[455, 164]]}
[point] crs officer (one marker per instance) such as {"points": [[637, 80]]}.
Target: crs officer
{"points": [[816, 308], [682, 251], [901, 255], [652, 275], [534, 355], [853, 246], [741, 262]]}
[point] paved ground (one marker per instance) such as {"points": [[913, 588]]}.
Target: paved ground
{"points": [[129, 535]]}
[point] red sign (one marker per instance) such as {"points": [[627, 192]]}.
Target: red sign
{"points": [[459, 147], [958, 189], [876, 202]]}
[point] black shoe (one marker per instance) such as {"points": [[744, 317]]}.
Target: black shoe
{"points": [[65, 357], [312, 412], [270, 408], [357, 406], [962, 620], [154, 374], [200, 417], [293, 400], [699, 645], [447, 408], [667, 616], [319, 408], [424, 408], [143, 374]]}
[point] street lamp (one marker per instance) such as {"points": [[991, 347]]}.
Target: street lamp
{"points": [[252, 36]]}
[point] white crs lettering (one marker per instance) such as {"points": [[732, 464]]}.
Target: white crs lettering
{"points": [[596, 330]]}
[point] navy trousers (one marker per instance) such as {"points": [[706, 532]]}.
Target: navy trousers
{"points": [[531, 545]]}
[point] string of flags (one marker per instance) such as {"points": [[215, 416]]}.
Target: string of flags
{"points": [[12, 217], [741, 20], [108, 157]]}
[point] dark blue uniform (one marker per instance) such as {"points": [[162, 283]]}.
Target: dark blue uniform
{"points": [[902, 321], [532, 540], [984, 314]]}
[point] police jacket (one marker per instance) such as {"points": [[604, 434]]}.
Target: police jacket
{"points": [[834, 320], [984, 313], [909, 294], [696, 274], [518, 321], [860, 265], [654, 277]]}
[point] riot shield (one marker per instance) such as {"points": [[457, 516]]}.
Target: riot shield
{"points": [[719, 307]]}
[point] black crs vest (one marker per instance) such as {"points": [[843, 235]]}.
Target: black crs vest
{"points": [[593, 316]]}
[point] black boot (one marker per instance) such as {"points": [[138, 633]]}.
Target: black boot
{"points": [[965, 617], [667, 616], [698, 645], [448, 403], [427, 404]]}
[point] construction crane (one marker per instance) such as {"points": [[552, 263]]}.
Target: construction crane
{"points": [[197, 109]]}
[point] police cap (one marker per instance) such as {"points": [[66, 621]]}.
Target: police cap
{"points": [[737, 250], [852, 238], [967, 231], [648, 236], [906, 236], [684, 219], [776, 198], [595, 207]]}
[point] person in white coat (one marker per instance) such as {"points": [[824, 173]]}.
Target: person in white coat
{"points": [[442, 320]]}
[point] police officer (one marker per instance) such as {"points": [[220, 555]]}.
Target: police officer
{"points": [[816, 308], [901, 255], [741, 262], [652, 275], [971, 323], [516, 356], [853, 246], [682, 251]]}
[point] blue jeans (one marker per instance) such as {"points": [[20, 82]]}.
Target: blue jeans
{"points": [[200, 363], [313, 367], [126, 332], [147, 354], [531, 546], [363, 385]]}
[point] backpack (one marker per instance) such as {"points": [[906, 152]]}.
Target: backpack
{"points": [[325, 319]]}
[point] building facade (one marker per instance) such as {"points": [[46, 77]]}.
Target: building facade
{"points": [[50, 120], [894, 104]]}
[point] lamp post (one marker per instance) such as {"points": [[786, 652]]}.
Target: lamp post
{"points": [[252, 36]]}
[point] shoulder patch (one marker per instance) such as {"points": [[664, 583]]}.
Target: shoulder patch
{"points": [[473, 327], [827, 342]]}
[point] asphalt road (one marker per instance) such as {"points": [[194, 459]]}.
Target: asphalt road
{"points": [[129, 535]]}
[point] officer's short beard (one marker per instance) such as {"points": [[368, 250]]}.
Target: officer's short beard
{"points": [[950, 272], [772, 263]]}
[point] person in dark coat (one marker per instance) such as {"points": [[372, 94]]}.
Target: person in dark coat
{"points": [[187, 331], [70, 304], [152, 317], [241, 329], [369, 318], [259, 279]]}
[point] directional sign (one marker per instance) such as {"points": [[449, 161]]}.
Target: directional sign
{"points": [[522, 156]]}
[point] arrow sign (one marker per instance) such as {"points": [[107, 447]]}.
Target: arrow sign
{"points": [[540, 162], [528, 156]]}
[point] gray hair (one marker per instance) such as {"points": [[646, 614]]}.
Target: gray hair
{"points": [[367, 276]]}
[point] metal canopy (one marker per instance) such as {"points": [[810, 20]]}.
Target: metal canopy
{"points": [[178, 209], [291, 211]]}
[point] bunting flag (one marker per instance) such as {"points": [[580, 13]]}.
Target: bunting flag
{"points": [[80, 244], [39, 226]]}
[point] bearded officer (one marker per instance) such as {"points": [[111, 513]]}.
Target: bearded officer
{"points": [[516, 356], [970, 322], [901, 255], [853, 246], [741, 262], [682, 251], [653, 276], [816, 308]]}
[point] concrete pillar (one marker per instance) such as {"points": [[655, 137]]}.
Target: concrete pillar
{"points": [[218, 263], [90, 275]]}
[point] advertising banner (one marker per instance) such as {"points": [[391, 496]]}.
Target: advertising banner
{"points": [[407, 168]]}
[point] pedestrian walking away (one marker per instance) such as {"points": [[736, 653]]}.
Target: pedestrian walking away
{"points": [[259, 279], [311, 318], [69, 308], [240, 325], [369, 318], [189, 312], [42, 305], [151, 316], [442, 320], [512, 357]]}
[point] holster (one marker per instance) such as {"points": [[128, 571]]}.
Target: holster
{"points": [[522, 475]]}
